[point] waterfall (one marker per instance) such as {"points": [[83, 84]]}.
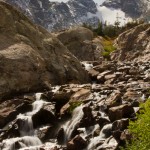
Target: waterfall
{"points": [[71, 124], [28, 137], [24, 142], [101, 138], [26, 127]]}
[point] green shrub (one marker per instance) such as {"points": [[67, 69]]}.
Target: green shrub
{"points": [[108, 48], [140, 130]]}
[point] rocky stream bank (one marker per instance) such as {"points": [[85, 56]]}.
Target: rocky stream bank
{"points": [[91, 116]]}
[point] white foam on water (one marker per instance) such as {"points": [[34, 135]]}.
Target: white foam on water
{"points": [[26, 127], [96, 140], [37, 105], [24, 142], [70, 125], [87, 65]]}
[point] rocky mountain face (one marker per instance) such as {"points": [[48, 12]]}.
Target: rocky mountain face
{"points": [[132, 8], [30, 57], [134, 44], [56, 15]]}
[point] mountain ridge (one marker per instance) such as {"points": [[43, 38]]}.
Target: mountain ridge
{"points": [[56, 16]]}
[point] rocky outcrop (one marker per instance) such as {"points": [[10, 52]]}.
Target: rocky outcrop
{"points": [[81, 42], [30, 57], [134, 44]]}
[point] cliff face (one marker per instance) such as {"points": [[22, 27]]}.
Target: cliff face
{"points": [[132, 8], [134, 44], [30, 57]]}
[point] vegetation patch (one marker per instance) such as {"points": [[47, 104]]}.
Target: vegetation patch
{"points": [[140, 130], [73, 105], [108, 47]]}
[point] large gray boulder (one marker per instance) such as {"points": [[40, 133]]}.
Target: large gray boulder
{"points": [[81, 42], [30, 57], [133, 44]]}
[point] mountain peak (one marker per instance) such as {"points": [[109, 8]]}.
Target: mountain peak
{"points": [[56, 15]]}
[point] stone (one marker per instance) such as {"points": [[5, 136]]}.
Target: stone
{"points": [[81, 43], [119, 112], [33, 52], [45, 115], [11, 108], [88, 119], [93, 74], [110, 76], [61, 136], [80, 95], [47, 133], [76, 143], [120, 124], [114, 99]]}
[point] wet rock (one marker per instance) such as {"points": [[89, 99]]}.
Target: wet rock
{"points": [[11, 108], [118, 127], [120, 124], [119, 112], [103, 121], [10, 131], [45, 115], [77, 143], [81, 95], [61, 136], [88, 119], [61, 97], [109, 144], [106, 131]]}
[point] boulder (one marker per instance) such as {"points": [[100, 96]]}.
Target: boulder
{"points": [[45, 115], [11, 108], [76, 143], [114, 99], [119, 112], [31, 58], [88, 119], [80, 41]]}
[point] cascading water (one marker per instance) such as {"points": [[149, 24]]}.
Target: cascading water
{"points": [[102, 136], [28, 137], [70, 125]]}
